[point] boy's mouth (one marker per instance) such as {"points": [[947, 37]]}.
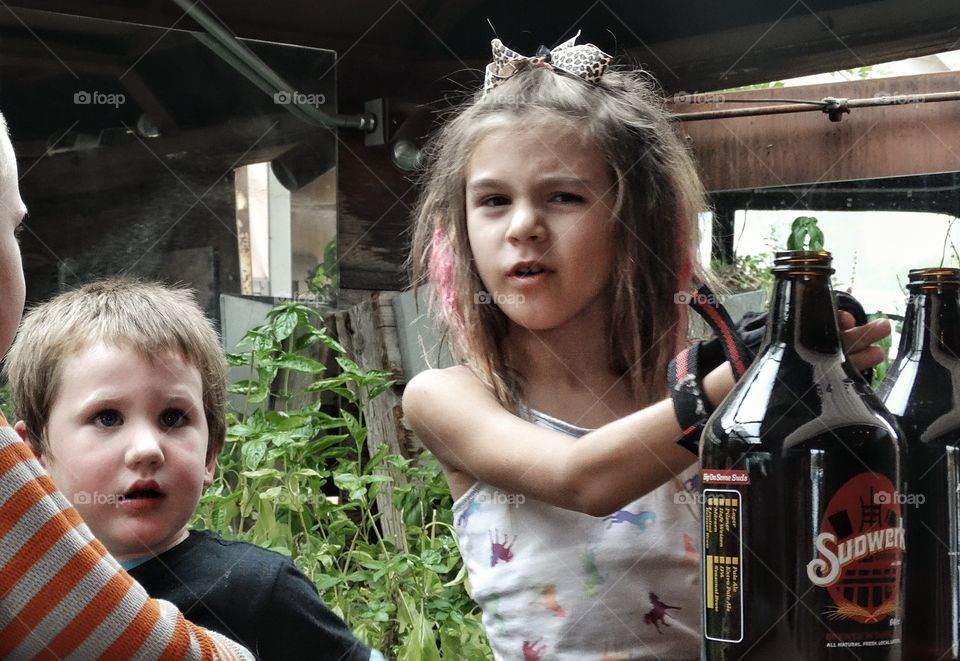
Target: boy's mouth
{"points": [[142, 493], [145, 490]]}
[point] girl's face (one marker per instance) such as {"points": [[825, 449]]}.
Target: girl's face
{"points": [[12, 211], [539, 202]]}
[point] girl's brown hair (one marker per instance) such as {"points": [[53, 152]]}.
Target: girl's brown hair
{"points": [[658, 198]]}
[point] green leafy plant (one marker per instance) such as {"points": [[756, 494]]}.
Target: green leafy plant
{"points": [[5, 407], [805, 234], [322, 280], [296, 477], [880, 371], [748, 272]]}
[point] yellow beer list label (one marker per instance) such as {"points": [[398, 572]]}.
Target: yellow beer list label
{"points": [[722, 565]]}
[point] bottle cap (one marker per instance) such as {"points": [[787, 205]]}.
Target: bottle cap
{"points": [[933, 277], [803, 261]]}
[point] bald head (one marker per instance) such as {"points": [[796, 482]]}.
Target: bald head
{"points": [[12, 211]]}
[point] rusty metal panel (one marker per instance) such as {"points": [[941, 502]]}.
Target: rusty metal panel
{"points": [[807, 148]]}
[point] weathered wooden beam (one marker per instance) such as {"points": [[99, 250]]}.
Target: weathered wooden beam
{"points": [[368, 332], [807, 148]]}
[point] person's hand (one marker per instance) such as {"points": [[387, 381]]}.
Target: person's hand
{"points": [[858, 341]]}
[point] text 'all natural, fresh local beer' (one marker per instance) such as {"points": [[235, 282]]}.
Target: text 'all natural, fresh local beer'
{"points": [[922, 391], [803, 537]]}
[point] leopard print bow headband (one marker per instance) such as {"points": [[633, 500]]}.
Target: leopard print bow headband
{"points": [[585, 61]]}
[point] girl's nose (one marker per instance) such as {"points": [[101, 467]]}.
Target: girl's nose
{"points": [[144, 449], [526, 223]]}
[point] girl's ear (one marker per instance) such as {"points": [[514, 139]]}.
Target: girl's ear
{"points": [[21, 429]]}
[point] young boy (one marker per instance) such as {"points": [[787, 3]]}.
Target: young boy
{"points": [[121, 387], [61, 594]]}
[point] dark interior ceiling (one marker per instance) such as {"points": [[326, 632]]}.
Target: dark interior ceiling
{"points": [[701, 44], [421, 48], [414, 53]]}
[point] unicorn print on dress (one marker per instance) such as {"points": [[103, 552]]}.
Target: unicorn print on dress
{"points": [[690, 549], [640, 519], [548, 599], [468, 511], [658, 613], [593, 577], [533, 651], [500, 550]]}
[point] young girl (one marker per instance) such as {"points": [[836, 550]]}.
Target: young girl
{"points": [[61, 594], [557, 226]]}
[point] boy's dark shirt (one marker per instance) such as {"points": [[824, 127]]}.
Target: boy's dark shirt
{"points": [[255, 596]]}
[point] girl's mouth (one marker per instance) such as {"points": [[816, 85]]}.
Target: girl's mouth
{"points": [[527, 269]]}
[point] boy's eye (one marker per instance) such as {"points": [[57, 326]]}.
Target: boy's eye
{"points": [[108, 418], [18, 231], [173, 418]]}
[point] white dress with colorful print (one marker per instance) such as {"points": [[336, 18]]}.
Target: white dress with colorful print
{"points": [[558, 584]]}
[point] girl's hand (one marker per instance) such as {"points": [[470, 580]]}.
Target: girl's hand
{"points": [[858, 341]]}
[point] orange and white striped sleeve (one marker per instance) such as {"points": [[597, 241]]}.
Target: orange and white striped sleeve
{"points": [[62, 596]]}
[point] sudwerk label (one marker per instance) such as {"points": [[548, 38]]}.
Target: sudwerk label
{"points": [[859, 560]]}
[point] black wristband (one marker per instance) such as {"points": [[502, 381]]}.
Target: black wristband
{"points": [[686, 371], [689, 401]]}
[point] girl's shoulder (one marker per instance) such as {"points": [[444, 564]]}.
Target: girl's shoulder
{"points": [[445, 405], [434, 388]]}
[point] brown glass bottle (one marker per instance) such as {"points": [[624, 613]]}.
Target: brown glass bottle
{"points": [[802, 531], [922, 391]]}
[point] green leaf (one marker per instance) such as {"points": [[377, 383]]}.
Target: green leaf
{"points": [[284, 324], [805, 234], [292, 361], [272, 493], [420, 643], [332, 344], [282, 421], [253, 452], [262, 472]]}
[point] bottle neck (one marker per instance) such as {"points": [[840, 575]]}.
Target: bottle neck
{"points": [[931, 323], [804, 312]]}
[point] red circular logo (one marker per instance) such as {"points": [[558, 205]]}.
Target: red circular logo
{"points": [[860, 549]]}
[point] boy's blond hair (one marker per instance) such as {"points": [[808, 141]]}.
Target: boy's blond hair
{"points": [[148, 316]]}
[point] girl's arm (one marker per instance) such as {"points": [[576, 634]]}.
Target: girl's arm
{"points": [[61, 594], [471, 433]]}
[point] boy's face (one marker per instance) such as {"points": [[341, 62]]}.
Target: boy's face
{"points": [[12, 211], [127, 440]]}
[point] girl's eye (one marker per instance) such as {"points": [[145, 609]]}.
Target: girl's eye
{"points": [[108, 419], [494, 201], [567, 197], [173, 418], [18, 231]]}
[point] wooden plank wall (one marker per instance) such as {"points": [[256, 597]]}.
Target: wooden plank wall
{"points": [[806, 148]]}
